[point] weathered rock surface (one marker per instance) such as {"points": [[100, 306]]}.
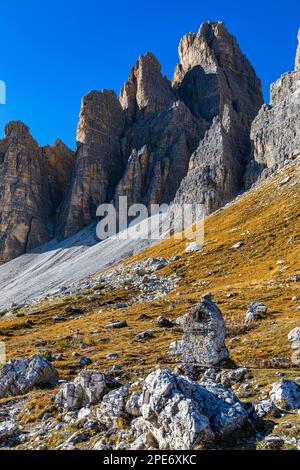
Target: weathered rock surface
{"points": [[255, 312], [297, 61], [294, 338], [98, 162], [7, 429], [286, 394], [113, 406], [176, 413], [18, 376], [157, 150], [32, 181], [146, 91], [228, 378], [204, 336], [219, 85], [275, 132], [88, 388], [265, 408]]}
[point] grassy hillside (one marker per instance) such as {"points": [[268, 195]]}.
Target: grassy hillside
{"points": [[266, 220]]}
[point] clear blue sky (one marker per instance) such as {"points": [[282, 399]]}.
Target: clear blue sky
{"points": [[53, 52]]}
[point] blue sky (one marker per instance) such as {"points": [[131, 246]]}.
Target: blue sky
{"points": [[53, 52]]}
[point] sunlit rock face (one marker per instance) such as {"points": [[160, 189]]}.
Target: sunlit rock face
{"points": [[275, 132], [217, 82], [32, 181]]}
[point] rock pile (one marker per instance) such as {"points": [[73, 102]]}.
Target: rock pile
{"points": [[176, 413]]}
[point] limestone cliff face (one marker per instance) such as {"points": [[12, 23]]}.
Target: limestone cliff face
{"points": [[219, 85], [297, 61], [160, 135], [28, 199], [160, 141], [159, 149], [275, 132], [98, 163], [146, 90]]}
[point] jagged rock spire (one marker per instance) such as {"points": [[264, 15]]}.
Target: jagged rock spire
{"points": [[297, 62]]}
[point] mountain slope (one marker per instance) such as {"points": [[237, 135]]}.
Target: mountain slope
{"points": [[265, 220]]}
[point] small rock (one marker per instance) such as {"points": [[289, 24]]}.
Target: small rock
{"points": [[265, 407], [237, 245], [117, 324], [85, 361], [111, 356], [74, 310], [255, 312], [284, 181], [164, 322], [175, 348], [58, 318], [193, 247], [148, 334], [294, 337], [88, 388]]}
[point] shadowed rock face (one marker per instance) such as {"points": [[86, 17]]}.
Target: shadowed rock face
{"points": [[217, 82], [275, 132], [32, 180], [159, 150]]}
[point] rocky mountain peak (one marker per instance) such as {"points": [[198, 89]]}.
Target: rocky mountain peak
{"points": [[18, 132], [146, 90], [211, 47], [297, 62]]}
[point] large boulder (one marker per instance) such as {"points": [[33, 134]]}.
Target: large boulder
{"points": [[286, 394], [177, 413], [20, 376], [204, 336], [88, 388]]}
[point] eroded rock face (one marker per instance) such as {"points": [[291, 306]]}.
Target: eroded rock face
{"points": [[297, 61], [204, 336], [275, 132], [219, 85], [176, 413], [18, 376], [32, 180], [157, 150], [146, 91], [98, 162]]}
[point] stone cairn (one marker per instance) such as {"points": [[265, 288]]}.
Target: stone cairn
{"points": [[203, 342]]}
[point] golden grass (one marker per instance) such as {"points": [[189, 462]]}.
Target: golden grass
{"points": [[264, 219]]}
